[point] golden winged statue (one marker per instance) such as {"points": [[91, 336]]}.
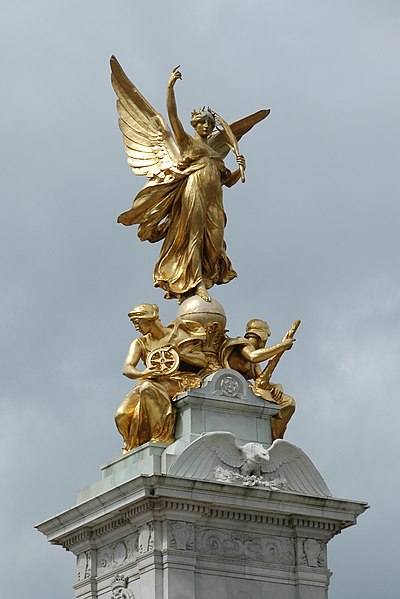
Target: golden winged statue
{"points": [[182, 201]]}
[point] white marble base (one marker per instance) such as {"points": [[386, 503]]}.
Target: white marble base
{"points": [[141, 533], [175, 538]]}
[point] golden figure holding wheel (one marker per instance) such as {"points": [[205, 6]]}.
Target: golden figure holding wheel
{"points": [[147, 412], [164, 360]]}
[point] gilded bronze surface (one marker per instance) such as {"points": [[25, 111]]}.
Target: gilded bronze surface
{"points": [[172, 356], [245, 354], [182, 202], [181, 205]]}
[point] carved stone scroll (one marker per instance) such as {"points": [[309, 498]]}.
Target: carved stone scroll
{"points": [[246, 546]]}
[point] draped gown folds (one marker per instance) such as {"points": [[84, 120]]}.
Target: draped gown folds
{"points": [[188, 214]]}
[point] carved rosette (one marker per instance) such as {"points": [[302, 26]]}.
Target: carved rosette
{"points": [[230, 386], [181, 535], [246, 546]]}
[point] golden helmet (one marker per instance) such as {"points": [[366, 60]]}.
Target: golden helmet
{"points": [[258, 327], [147, 311]]}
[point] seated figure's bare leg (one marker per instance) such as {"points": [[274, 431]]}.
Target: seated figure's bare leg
{"points": [[279, 424]]}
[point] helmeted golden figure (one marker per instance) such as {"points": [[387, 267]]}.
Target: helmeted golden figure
{"points": [[244, 354], [182, 202]]}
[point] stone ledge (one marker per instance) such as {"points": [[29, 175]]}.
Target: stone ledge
{"points": [[162, 493]]}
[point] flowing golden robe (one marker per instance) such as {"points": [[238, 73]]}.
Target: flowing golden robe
{"points": [[188, 214], [147, 412]]}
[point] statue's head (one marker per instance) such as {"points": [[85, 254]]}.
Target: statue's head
{"points": [[259, 328], [203, 121], [143, 316]]}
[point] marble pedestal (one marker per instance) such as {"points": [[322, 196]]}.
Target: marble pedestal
{"points": [[142, 533]]}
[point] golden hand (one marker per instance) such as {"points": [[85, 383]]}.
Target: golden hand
{"points": [[148, 373], [175, 75], [241, 161], [287, 344], [276, 393]]}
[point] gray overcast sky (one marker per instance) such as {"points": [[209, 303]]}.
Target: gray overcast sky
{"points": [[313, 234]]}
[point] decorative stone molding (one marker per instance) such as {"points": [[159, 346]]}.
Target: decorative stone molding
{"points": [[181, 535], [332, 527], [246, 546], [77, 538], [129, 517], [115, 555], [314, 553], [119, 588], [126, 550], [230, 386], [146, 538], [83, 565]]}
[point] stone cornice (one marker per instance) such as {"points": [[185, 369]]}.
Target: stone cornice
{"points": [[162, 495]]}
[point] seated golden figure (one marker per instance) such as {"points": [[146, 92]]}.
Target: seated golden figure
{"points": [[172, 356], [244, 354]]}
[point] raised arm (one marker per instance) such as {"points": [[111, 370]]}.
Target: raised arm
{"points": [[259, 355], [177, 127]]}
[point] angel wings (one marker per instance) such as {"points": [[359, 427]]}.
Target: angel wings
{"points": [[219, 457], [182, 201], [149, 144]]}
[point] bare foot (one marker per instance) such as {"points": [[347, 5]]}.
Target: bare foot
{"points": [[202, 292]]}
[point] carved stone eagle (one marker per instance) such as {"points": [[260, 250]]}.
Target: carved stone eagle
{"points": [[282, 463]]}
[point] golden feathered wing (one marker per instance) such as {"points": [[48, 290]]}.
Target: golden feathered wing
{"points": [[149, 145]]}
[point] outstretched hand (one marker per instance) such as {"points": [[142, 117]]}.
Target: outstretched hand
{"points": [[287, 343], [175, 75]]}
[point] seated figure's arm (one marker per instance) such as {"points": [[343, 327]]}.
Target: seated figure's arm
{"points": [[131, 361], [264, 353]]}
